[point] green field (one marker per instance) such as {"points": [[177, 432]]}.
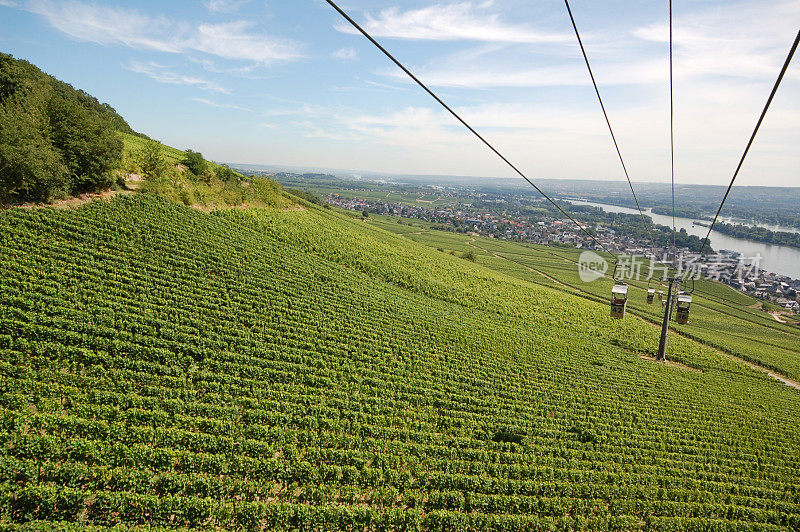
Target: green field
{"points": [[405, 194], [256, 369]]}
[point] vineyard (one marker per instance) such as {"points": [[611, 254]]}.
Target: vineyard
{"points": [[721, 317], [256, 369]]}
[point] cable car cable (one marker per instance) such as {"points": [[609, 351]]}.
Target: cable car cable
{"points": [[608, 123], [753, 136], [463, 122], [672, 131]]}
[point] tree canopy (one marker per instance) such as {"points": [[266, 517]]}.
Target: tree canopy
{"points": [[195, 162], [54, 139]]}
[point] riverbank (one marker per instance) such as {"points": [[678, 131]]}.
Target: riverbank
{"points": [[782, 260]]}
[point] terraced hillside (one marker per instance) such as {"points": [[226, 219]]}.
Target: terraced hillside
{"points": [[267, 369]]}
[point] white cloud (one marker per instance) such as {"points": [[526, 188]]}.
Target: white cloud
{"points": [[233, 40], [298, 109], [742, 39], [111, 25], [313, 130], [345, 53], [545, 76], [451, 22], [224, 6], [385, 86], [8, 3], [162, 74], [564, 140], [212, 103], [710, 43]]}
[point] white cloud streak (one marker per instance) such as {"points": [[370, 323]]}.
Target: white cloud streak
{"points": [[717, 43], [451, 22], [111, 25], [217, 105], [224, 6], [641, 72], [313, 130], [162, 74], [345, 53]]}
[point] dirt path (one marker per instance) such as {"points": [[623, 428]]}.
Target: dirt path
{"points": [[776, 376], [777, 315], [76, 201]]}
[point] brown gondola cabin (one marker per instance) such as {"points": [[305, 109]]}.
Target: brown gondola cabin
{"points": [[619, 300], [651, 295], [682, 311]]}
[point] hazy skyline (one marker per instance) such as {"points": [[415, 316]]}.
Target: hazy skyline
{"points": [[289, 83]]}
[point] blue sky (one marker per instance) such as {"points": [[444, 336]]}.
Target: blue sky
{"points": [[287, 82]]}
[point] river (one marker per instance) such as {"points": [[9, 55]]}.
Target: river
{"points": [[783, 260]]}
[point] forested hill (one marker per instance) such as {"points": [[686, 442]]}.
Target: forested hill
{"points": [[20, 75], [54, 139]]}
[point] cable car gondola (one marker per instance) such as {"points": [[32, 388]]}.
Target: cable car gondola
{"points": [[682, 312], [651, 295], [619, 300]]}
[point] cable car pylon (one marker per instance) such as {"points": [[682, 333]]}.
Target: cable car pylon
{"points": [[662, 344]]}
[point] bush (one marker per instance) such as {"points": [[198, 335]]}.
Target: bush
{"points": [[306, 195], [195, 162], [150, 159], [507, 437], [224, 173]]}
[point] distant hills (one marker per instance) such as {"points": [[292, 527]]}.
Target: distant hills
{"points": [[773, 205], [564, 185]]}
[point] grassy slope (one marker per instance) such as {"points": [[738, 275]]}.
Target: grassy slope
{"points": [[134, 144], [721, 317], [172, 155], [214, 193], [251, 368]]}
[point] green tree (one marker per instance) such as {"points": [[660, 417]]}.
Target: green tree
{"points": [[31, 169], [224, 173], [90, 147], [195, 162], [151, 160], [54, 139]]}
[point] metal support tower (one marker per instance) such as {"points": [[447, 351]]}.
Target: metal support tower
{"points": [[662, 345]]}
